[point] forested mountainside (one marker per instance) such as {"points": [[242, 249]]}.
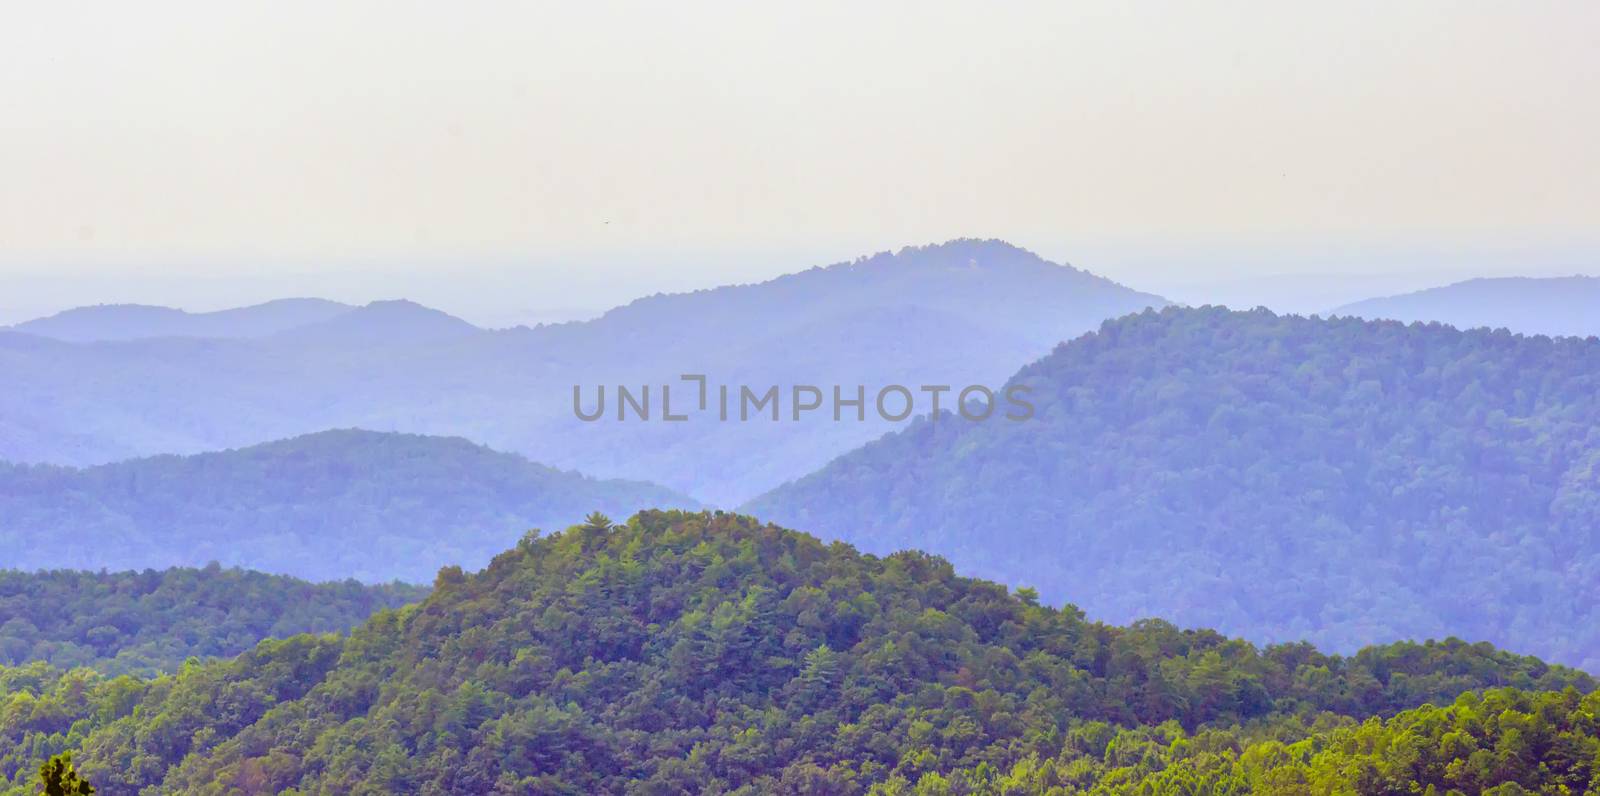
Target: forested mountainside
{"points": [[326, 506], [108, 322], [1276, 477], [957, 313], [708, 653], [152, 621], [1567, 306]]}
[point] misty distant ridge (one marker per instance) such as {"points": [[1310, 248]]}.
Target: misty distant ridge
{"points": [[1567, 306], [305, 319], [1008, 286], [115, 322], [397, 322], [330, 505], [957, 313]]}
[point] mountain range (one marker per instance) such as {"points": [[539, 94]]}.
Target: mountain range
{"points": [[964, 312], [1277, 477], [329, 506]]}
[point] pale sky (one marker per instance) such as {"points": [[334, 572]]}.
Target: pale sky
{"points": [[580, 154]]}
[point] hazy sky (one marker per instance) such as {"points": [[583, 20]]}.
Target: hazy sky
{"points": [[576, 155]]}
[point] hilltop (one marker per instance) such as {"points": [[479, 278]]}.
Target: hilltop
{"points": [[709, 653], [1277, 477]]}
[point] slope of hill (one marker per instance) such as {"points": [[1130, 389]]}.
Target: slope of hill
{"points": [[1568, 306], [151, 621], [111, 322], [1276, 477], [710, 654], [959, 313], [330, 505]]}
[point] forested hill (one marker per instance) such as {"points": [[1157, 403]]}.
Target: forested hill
{"points": [[151, 621], [1275, 477], [701, 653], [1567, 305], [327, 506]]}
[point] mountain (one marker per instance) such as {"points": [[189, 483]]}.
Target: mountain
{"points": [[331, 505], [1276, 477], [108, 322], [1567, 306], [392, 323], [960, 313], [708, 653], [152, 621]]}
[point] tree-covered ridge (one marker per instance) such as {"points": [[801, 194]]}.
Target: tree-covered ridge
{"points": [[690, 653], [329, 506], [152, 621], [1502, 742], [1276, 477]]}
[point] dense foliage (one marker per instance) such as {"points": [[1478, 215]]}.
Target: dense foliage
{"points": [[690, 653], [1502, 743], [1276, 477], [962, 312], [327, 506], [152, 621]]}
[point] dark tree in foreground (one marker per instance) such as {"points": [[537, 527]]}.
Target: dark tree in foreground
{"points": [[61, 779]]}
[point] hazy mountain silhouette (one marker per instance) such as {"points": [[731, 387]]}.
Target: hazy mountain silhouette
{"points": [[138, 321], [957, 313], [330, 505], [1279, 477], [389, 323], [1567, 305]]}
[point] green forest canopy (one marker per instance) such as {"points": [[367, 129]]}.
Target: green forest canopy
{"points": [[689, 653], [151, 621]]}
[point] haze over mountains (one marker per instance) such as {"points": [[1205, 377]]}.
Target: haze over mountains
{"points": [[1553, 306], [957, 313], [1278, 477], [328, 506]]}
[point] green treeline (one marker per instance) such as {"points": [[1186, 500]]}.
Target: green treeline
{"points": [[151, 621], [1502, 741], [690, 653]]}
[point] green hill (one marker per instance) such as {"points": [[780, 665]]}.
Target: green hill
{"points": [[1276, 477], [701, 653], [328, 506], [151, 621]]}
